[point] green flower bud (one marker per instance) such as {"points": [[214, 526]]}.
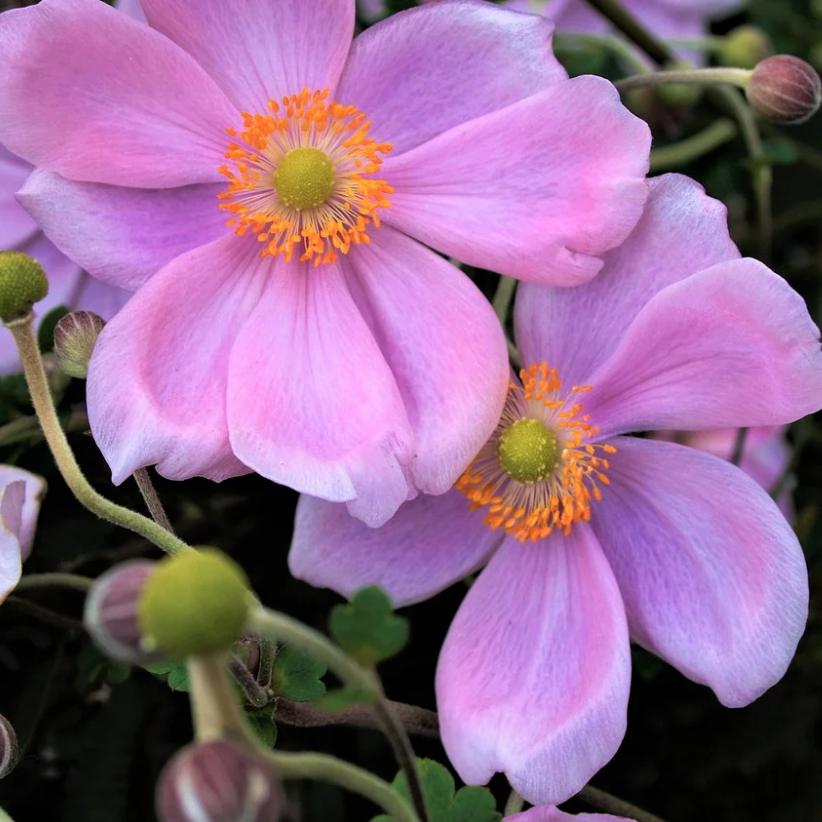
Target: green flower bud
{"points": [[22, 283], [744, 47], [194, 603], [74, 338]]}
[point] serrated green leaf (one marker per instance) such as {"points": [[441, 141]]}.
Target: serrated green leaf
{"points": [[297, 676], [367, 627], [173, 673], [473, 804], [342, 698], [265, 728]]}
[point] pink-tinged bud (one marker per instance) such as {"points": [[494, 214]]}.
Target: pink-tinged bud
{"points": [[111, 614], [9, 750], [784, 89], [74, 338], [219, 781]]}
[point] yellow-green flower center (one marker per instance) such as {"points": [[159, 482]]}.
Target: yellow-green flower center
{"points": [[528, 450], [304, 178]]}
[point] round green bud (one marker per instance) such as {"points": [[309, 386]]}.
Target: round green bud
{"points": [[22, 283], [528, 450], [193, 603], [679, 95], [744, 47], [304, 178]]}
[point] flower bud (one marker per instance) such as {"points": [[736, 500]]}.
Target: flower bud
{"points": [[219, 781], [194, 603], [22, 283], [9, 750], [112, 607], [74, 338], [784, 89], [744, 47]]}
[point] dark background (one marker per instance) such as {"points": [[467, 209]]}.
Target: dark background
{"points": [[95, 741]]}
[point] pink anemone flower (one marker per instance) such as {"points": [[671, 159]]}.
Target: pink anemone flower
{"points": [[548, 813], [259, 178], [591, 537], [69, 286], [20, 496]]}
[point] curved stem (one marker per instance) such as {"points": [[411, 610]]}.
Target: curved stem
{"points": [[603, 801], [690, 77], [284, 628], [152, 498], [694, 147], [330, 769], [514, 804], [64, 457], [55, 580]]}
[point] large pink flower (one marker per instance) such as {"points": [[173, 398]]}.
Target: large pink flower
{"points": [[20, 496], [548, 813], [304, 341], [596, 536]]}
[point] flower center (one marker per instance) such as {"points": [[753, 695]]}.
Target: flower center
{"points": [[528, 450], [540, 470], [301, 178], [304, 178]]}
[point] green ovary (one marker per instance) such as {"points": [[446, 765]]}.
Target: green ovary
{"points": [[528, 451], [304, 178]]}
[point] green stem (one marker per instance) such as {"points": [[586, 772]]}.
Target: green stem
{"points": [[502, 298], [632, 29], [61, 450], [4, 817], [603, 801], [694, 147], [152, 498], [689, 77], [55, 580], [330, 769], [514, 804], [283, 628]]}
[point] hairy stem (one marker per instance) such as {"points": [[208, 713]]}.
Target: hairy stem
{"points": [[689, 77], [55, 580], [151, 498]]}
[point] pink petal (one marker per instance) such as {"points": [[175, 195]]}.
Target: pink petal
{"points": [[16, 227], [733, 345], [429, 544], [20, 495], [311, 402], [713, 577], [531, 190], [152, 118], [548, 813], [424, 71], [681, 231], [257, 50], [157, 381], [123, 235], [444, 345], [132, 8], [102, 299], [534, 675]]}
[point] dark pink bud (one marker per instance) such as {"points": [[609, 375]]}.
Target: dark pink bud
{"points": [[9, 750], [784, 89], [111, 615], [219, 781]]}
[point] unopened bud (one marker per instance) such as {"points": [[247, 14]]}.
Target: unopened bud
{"points": [[744, 47], [112, 611], [9, 750], [784, 89], [219, 781], [194, 603], [22, 283], [74, 338]]}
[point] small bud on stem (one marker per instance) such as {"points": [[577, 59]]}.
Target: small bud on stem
{"points": [[784, 89], [74, 338], [22, 283], [9, 749]]}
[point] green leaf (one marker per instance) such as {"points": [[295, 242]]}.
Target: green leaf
{"points": [[297, 676], [467, 805], [45, 334], [264, 727], [173, 673], [367, 628], [342, 698], [94, 667]]}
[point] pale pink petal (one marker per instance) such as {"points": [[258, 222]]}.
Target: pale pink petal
{"points": [[104, 300], [429, 544], [95, 96], [123, 235], [681, 231], [534, 674], [531, 190], [157, 381], [16, 226], [713, 577], [312, 403], [733, 345], [20, 496], [257, 50], [132, 8], [549, 813], [423, 71], [444, 345]]}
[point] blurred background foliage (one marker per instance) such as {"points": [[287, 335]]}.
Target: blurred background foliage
{"points": [[96, 734]]}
